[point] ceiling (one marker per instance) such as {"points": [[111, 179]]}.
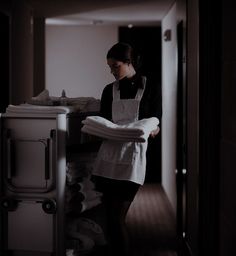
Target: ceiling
{"points": [[103, 12]]}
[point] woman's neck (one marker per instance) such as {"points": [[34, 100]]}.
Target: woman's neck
{"points": [[131, 73]]}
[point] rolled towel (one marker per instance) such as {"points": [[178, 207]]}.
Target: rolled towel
{"points": [[77, 208], [74, 194], [42, 98], [89, 204], [86, 184], [75, 173], [83, 184], [89, 228], [79, 243], [78, 197], [69, 252]]}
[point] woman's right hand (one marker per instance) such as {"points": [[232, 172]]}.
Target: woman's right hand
{"points": [[154, 133]]}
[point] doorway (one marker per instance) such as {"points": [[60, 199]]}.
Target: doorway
{"points": [[5, 61], [155, 234], [148, 48]]}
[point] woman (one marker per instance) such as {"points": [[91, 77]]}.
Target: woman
{"points": [[120, 167]]}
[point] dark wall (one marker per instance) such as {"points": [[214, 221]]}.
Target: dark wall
{"points": [[4, 61], [209, 124], [211, 128], [21, 53], [146, 42], [39, 55], [227, 213]]}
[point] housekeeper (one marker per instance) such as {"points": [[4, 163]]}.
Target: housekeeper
{"points": [[120, 167]]}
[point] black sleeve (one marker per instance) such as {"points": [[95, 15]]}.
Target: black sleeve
{"points": [[156, 101], [151, 103], [106, 102]]}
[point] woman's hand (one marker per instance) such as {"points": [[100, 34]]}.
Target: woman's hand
{"points": [[154, 133]]}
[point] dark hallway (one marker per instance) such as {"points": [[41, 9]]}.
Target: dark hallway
{"points": [[151, 223], [211, 124]]}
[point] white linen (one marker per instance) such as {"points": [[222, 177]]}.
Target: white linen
{"points": [[28, 108], [86, 185], [138, 131], [106, 126], [108, 135], [84, 104]]}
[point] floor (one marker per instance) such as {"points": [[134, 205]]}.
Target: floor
{"points": [[151, 223]]}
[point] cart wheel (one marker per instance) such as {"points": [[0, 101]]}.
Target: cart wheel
{"points": [[49, 206], [9, 204]]}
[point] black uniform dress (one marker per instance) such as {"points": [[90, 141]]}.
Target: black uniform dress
{"points": [[150, 106]]}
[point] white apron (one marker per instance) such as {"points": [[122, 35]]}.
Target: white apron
{"points": [[123, 160]]}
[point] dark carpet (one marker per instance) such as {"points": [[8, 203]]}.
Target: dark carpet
{"points": [[151, 223]]}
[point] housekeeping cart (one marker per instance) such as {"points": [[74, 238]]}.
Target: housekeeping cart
{"points": [[33, 176]]}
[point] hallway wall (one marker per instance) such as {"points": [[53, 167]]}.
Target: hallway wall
{"points": [[169, 93], [76, 59]]}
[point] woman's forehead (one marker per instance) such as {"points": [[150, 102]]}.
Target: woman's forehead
{"points": [[112, 62]]}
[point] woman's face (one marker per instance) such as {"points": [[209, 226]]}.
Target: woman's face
{"points": [[118, 69]]}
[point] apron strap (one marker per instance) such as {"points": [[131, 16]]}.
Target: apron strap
{"points": [[140, 91], [139, 94], [116, 92]]}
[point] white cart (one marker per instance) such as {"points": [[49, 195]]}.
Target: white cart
{"points": [[33, 175]]}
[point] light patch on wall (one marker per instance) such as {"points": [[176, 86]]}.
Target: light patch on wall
{"points": [[67, 22]]}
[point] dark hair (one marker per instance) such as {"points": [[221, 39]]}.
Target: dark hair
{"points": [[122, 52]]}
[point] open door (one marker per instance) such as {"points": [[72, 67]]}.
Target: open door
{"points": [[181, 132]]}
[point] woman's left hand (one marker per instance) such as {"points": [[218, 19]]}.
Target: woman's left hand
{"points": [[154, 133]]}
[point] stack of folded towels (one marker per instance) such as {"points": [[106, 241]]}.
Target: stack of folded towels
{"points": [[26, 108], [137, 131], [81, 196], [83, 235]]}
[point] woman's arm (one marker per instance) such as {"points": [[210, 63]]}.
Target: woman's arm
{"points": [[106, 102], [151, 103]]}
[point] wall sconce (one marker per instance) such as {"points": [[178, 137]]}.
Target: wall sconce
{"points": [[167, 35]]}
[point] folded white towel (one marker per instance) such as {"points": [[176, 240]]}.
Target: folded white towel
{"points": [[135, 131], [110, 135], [28, 108], [106, 126]]}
